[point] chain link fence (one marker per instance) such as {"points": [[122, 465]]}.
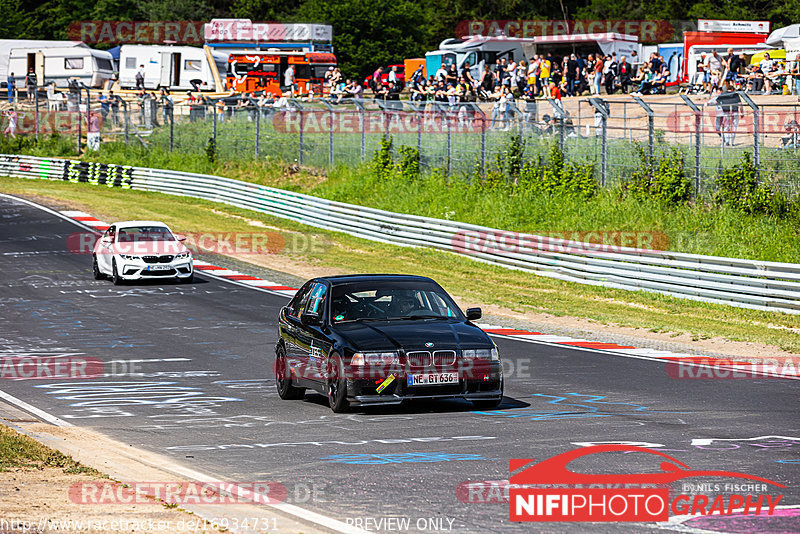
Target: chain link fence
{"points": [[616, 135]]}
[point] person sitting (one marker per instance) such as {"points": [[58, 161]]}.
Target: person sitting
{"points": [[660, 82]]}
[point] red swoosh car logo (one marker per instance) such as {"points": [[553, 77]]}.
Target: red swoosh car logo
{"points": [[554, 470]]}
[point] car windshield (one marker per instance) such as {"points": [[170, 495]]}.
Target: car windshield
{"points": [[391, 300], [138, 234]]}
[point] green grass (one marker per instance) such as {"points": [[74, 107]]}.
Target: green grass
{"points": [[21, 452], [473, 282], [698, 227]]}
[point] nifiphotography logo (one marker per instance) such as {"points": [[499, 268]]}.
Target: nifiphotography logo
{"points": [[622, 497]]}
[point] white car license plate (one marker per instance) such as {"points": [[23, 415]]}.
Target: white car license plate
{"points": [[432, 379], [159, 267]]}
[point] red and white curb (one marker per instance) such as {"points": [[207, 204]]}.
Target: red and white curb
{"points": [[243, 279]]}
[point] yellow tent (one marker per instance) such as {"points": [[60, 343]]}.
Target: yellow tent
{"points": [[779, 54]]}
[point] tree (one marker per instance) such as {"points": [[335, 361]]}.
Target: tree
{"points": [[369, 33]]}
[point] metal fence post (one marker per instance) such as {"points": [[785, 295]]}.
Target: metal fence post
{"points": [[449, 145], [125, 118], [697, 121], [558, 114], [171, 127], [601, 107], [300, 147], [650, 127], [36, 114], [361, 125], [258, 130], [483, 145], [330, 131], [78, 111], [756, 121], [214, 122]]}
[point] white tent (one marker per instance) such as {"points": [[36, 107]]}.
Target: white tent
{"points": [[777, 37], [7, 44]]}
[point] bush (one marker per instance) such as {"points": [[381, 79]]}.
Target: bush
{"points": [[558, 177], [661, 178], [211, 150], [738, 188], [408, 167]]}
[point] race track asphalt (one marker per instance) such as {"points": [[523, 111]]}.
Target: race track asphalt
{"points": [[189, 374]]}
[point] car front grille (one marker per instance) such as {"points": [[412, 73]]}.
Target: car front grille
{"points": [[418, 359], [444, 357], [167, 258]]}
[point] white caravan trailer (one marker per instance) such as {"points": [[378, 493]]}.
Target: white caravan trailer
{"points": [[59, 62], [170, 67]]}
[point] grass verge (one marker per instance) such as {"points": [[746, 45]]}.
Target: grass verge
{"points": [[19, 451], [472, 281]]}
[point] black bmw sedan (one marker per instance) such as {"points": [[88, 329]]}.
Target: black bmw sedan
{"points": [[374, 339]]}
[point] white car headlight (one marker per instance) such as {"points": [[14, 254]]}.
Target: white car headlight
{"points": [[129, 257], [480, 354], [183, 255], [374, 358]]}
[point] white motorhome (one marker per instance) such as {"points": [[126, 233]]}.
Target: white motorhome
{"points": [[480, 50], [171, 67], [60, 64]]}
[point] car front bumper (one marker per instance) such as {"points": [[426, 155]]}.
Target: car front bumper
{"points": [[484, 386], [133, 270]]}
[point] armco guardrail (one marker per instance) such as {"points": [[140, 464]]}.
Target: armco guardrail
{"points": [[738, 282]]}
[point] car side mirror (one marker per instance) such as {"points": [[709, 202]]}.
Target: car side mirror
{"points": [[474, 314], [311, 319], [180, 237]]}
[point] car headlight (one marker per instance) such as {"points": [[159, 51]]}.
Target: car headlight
{"points": [[374, 358], [183, 255], [480, 354], [129, 257]]}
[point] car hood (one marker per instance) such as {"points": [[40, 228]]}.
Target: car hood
{"points": [[146, 248], [393, 335]]}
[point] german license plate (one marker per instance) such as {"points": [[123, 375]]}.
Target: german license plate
{"points": [[432, 379], [159, 267]]}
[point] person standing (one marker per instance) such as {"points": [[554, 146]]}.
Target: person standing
{"points": [[30, 84], [288, 79], [140, 78], [624, 72], [11, 129], [12, 87], [609, 74], [571, 72], [93, 132]]}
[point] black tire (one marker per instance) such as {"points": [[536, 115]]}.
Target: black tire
{"points": [[336, 384], [96, 269], [118, 281], [188, 280], [283, 378]]}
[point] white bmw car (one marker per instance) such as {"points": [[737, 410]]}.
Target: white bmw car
{"points": [[141, 250]]}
